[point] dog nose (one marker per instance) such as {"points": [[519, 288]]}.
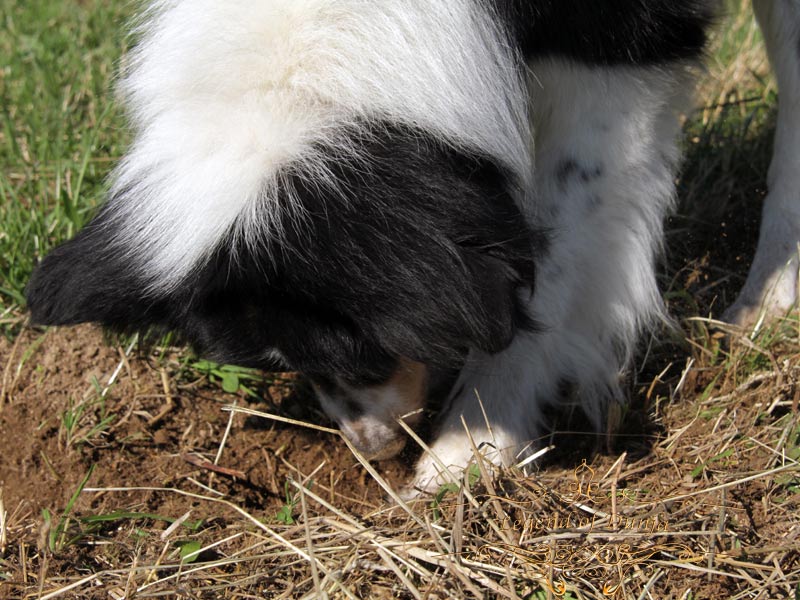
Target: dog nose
{"points": [[374, 441], [389, 450]]}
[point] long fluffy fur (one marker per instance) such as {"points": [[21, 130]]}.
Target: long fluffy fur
{"points": [[225, 97]]}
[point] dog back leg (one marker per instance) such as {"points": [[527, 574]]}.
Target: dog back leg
{"points": [[771, 286]]}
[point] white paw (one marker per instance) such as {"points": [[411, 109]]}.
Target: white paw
{"points": [[449, 456], [454, 450], [771, 288]]}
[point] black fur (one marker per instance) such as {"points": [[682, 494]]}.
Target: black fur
{"points": [[423, 256], [88, 279], [609, 32]]}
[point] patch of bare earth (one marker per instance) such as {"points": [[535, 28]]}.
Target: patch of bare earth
{"points": [[151, 432], [698, 499]]}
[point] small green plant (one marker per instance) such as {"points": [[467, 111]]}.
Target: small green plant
{"points": [[709, 389], [189, 550], [471, 477], [95, 522], [441, 493], [71, 529], [790, 483], [699, 469], [59, 534], [85, 421], [543, 594], [230, 378], [473, 474], [286, 513]]}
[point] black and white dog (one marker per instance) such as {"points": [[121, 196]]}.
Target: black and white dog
{"points": [[405, 198]]}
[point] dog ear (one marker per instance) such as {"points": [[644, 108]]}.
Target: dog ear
{"points": [[449, 253], [502, 290], [87, 279]]}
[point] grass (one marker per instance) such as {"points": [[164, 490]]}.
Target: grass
{"points": [[57, 530], [703, 483], [85, 421], [61, 131]]}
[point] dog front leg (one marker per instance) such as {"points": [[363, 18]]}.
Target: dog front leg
{"points": [[771, 287]]}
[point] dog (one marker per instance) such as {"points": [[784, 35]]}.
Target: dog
{"points": [[458, 202]]}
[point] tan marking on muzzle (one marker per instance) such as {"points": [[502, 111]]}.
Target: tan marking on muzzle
{"points": [[409, 383]]}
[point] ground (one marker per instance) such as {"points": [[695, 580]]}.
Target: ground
{"points": [[152, 428], [124, 473], [706, 513]]}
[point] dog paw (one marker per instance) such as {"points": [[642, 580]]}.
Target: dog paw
{"points": [[443, 464], [749, 314], [454, 452], [770, 291]]}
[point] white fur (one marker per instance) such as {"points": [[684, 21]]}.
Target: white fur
{"points": [[771, 288], [596, 289], [223, 95]]}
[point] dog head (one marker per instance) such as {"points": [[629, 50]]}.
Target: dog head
{"points": [[394, 266]]}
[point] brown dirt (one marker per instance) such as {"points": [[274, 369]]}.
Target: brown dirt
{"points": [[164, 422], [166, 419], [40, 465]]}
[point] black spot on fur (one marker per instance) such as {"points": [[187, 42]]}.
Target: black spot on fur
{"points": [[569, 168], [418, 251], [565, 170], [590, 174]]}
